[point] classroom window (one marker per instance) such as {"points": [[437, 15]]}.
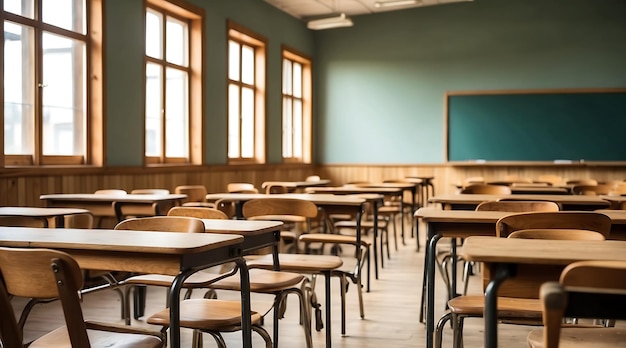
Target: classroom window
{"points": [[173, 108], [246, 96], [296, 97], [52, 70]]}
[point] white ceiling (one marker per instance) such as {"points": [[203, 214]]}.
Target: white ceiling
{"points": [[305, 9]]}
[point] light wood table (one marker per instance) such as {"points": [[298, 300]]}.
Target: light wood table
{"points": [[332, 204], [57, 214], [177, 254], [505, 255], [295, 185], [567, 202], [115, 205]]}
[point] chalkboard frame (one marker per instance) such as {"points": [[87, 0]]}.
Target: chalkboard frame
{"points": [[530, 93]]}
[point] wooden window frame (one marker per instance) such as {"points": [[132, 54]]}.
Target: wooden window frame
{"points": [[306, 102], [244, 36], [194, 16], [94, 86]]}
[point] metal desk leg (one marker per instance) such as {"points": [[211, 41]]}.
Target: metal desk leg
{"points": [[430, 289], [328, 307], [502, 272]]}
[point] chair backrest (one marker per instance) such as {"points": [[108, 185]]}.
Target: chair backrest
{"points": [[148, 191], [313, 178], [487, 189], [163, 223], [113, 192], [42, 274], [274, 189], [518, 206], [241, 187], [557, 234], [279, 206], [552, 179], [587, 289], [582, 182], [23, 221], [579, 220], [198, 212], [195, 193], [83, 220], [592, 190]]}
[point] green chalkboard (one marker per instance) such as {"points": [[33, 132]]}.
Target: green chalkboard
{"points": [[537, 126]]}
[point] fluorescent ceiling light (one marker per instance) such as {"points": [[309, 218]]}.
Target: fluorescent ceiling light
{"points": [[330, 22], [395, 3]]}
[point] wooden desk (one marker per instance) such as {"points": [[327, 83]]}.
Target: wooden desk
{"points": [[43, 213], [539, 190], [332, 204], [428, 188], [567, 202], [115, 205], [410, 187], [505, 254], [615, 201], [177, 254], [295, 185]]}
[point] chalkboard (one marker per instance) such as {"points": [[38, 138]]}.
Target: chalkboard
{"points": [[576, 125]]}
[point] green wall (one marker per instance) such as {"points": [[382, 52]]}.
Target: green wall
{"points": [[380, 85], [124, 73]]}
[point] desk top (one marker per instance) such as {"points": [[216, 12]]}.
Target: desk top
{"points": [[544, 252], [402, 185], [320, 199], [296, 184], [40, 212], [114, 240], [342, 190], [129, 198], [245, 227], [478, 198], [430, 214]]}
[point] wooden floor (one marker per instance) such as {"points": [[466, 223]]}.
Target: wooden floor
{"points": [[391, 312]]}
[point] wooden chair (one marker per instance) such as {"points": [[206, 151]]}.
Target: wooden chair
{"points": [[581, 182], [198, 212], [521, 304], [196, 195], [149, 191], [518, 206], [486, 189], [551, 179], [241, 187], [313, 178], [557, 234], [299, 263], [587, 289], [206, 315], [592, 190], [44, 274]]}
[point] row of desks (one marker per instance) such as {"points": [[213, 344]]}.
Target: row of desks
{"points": [[478, 230]]}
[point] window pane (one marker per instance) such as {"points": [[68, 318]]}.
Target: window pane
{"points": [[154, 107], [176, 114], [233, 121], [233, 60], [286, 76], [66, 14], [297, 80], [24, 8], [19, 94], [154, 34], [287, 140], [247, 123], [247, 65], [297, 128], [177, 42], [63, 95]]}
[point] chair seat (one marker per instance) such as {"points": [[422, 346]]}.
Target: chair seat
{"points": [[599, 337], [471, 305], [299, 262], [330, 238], [205, 314], [261, 280], [99, 339], [196, 280]]}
